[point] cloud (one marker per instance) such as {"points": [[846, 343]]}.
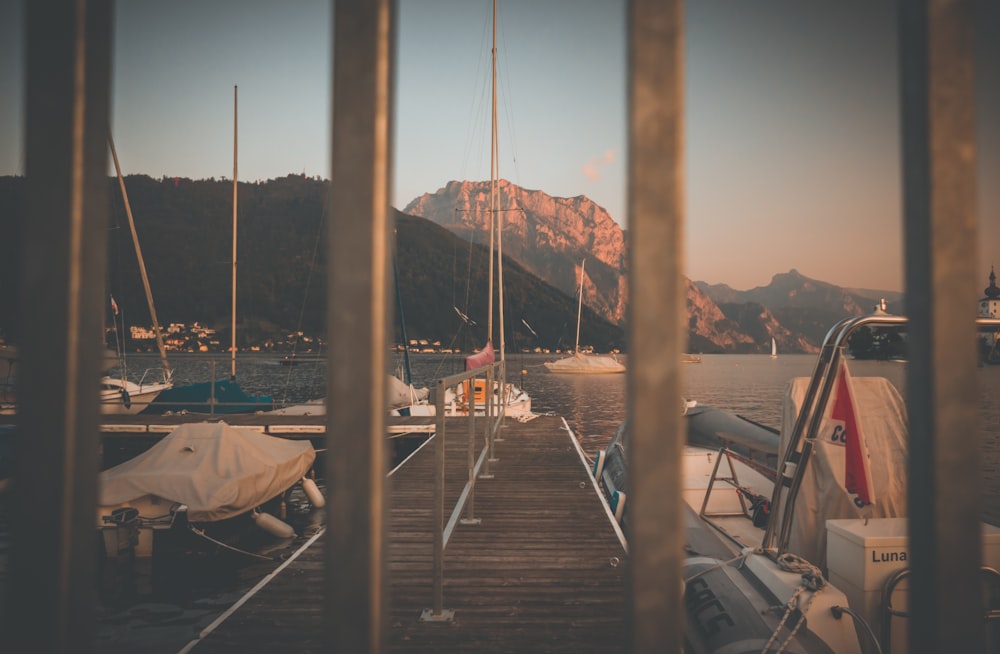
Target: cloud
{"points": [[595, 165]]}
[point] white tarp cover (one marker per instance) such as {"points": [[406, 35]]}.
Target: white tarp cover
{"points": [[584, 364], [401, 394], [217, 470], [822, 496]]}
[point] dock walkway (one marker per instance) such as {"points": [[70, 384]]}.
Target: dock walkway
{"points": [[543, 572]]}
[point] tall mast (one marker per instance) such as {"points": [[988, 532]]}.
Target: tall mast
{"points": [[579, 308], [493, 174], [496, 190], [232, 349], [157, 330]]}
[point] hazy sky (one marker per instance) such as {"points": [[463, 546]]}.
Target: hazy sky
{"points": [[792, 139]]}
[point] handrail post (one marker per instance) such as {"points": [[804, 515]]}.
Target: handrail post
{"points": [[488, 431], [470, 513], [211, 391], [502, 407], [437, 612]]}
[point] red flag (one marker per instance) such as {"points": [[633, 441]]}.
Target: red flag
{"points": [[846, 431], [114, 305], [482, 358]]}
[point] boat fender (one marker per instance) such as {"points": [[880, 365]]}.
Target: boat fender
{"points": [[313, 492], [599, 463], [272, 525], [618, 505], [126, 398]]}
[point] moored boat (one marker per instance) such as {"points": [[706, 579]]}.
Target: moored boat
{"points": [[807, 553], [200, 474]]}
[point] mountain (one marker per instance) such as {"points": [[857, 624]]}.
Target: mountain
{"points": [[185, 231], [439, 273], [185, 225], [803, 309], [550, 236], [547, 235]]}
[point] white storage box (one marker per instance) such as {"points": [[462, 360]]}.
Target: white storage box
{"points": [[861, 557]]}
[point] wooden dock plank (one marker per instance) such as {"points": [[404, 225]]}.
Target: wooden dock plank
{"points": [[543, 572]]}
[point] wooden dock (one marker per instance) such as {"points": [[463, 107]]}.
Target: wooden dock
{"points": [[544, 571]]}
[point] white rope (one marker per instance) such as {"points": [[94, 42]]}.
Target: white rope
{"points": [[812, 580]]}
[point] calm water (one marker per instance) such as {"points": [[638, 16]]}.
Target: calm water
{"points": [[158, 606]]}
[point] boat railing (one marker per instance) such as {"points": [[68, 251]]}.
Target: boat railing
{"points": [[477, 468], [794, 459], [155, 376], [753, 506]]}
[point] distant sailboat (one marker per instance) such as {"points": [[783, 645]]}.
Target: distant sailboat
{"points": [[219, 396], [579, 363], [774, 349]]}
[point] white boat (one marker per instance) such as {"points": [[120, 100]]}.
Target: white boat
{"points": [[774, 348], [401, 399], [200, 473], [126, 397], [811, 559], [580, 363]]}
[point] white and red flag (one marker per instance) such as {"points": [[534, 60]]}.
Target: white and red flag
{"points": [[114, 305], [844, 428]]}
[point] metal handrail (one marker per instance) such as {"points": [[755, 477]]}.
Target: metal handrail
{"points": [[792, 465], [888, 612], [466, 500]]}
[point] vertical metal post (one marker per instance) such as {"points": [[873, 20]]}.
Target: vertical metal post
{"points": [[470, 513], [939, 170], [358, 319], [51, 589], [657, 328], [211, 391], [488, 429], [504, 403], [437, 613]]}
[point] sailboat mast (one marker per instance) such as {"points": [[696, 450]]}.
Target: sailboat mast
{"points": [[493, 174], [157, 330], [579, 307], [496, 182], [232, 349]]}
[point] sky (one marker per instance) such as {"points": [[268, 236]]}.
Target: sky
{"points": [[791, 127]]}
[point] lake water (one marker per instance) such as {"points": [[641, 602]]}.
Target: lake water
{"points": [[158, 606]]}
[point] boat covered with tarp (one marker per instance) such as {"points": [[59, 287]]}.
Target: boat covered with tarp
{"points": [[208, 471]]}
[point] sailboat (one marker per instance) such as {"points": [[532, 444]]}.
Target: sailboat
{"points": [[512, 399], [121, 395], [579, 363], [222, 396], [774, 349]]}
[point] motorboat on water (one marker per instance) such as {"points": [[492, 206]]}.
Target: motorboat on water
{"points": [[796, 539], [201, 474], [121, 396]]}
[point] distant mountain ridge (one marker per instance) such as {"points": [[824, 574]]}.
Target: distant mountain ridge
{"points": [[185, 230]]}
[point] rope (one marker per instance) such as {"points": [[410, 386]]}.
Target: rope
{"points": [[812, 580], [201, 532]]}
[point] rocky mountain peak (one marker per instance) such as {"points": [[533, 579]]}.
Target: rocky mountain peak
{"points": [[548, 235]]}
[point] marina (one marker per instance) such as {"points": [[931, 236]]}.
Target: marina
{"points": [[51, 572], [162, 605]]}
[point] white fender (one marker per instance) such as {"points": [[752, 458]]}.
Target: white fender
{"points": [[272, 525], [313, 492]]}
